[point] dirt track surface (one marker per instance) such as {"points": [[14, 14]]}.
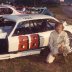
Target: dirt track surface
{"points": [[36, 63]]}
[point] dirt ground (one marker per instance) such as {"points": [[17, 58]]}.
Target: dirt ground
{"points": [[36, 63]]}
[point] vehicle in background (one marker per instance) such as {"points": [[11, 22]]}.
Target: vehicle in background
{"points": [[8, 10], [38, 10]]}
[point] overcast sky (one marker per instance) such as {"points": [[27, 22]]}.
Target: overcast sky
{"points": [[61, 0]]}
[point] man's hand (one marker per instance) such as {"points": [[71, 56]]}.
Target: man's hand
{"points": [[61, 49]]}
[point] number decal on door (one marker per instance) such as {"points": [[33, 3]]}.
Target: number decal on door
{"points": [[34, 41], [23, 43]]}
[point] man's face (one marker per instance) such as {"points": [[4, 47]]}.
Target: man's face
{"points": [[59, 28]]}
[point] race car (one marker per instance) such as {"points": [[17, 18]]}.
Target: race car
{"points": [[22, 35], [8, 10]]}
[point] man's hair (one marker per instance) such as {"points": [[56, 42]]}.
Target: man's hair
{"points": [[58, 24]]}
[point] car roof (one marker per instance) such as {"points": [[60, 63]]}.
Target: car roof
{"points": [[6, 6], [26, 17], [39, 7], [11, 7]]}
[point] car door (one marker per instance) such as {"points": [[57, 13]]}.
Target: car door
{"points": [[43, 28], [23, 39]]}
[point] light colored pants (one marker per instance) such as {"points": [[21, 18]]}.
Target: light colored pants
{"points": [[51, 57]]}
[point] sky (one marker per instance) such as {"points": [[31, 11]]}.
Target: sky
{"points": [[62, 0]]}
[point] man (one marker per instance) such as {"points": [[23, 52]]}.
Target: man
{"points": [[58, 43]]}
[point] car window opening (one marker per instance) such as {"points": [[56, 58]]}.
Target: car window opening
{"points": [[6, 26], [34, 26]]}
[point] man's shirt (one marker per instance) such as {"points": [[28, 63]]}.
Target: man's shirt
{"points": [[56, 40]]}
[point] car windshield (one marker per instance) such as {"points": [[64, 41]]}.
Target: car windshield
{"points": [[6, 26], [34, 26]]}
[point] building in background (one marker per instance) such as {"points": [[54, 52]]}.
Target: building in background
{"points": [[51, 1], [36, 2], [68, 1], [61, 0], [32, 2]]}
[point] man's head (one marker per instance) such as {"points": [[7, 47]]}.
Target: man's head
{"points": [[59, 27]]}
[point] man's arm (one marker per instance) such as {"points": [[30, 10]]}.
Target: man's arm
{"points": [[64, 44], [51, 42]]}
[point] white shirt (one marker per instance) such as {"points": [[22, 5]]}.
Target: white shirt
{"points": [[56, 40]]}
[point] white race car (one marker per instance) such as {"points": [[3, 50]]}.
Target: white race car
{"points": [[8, 10], [22, 35]]}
